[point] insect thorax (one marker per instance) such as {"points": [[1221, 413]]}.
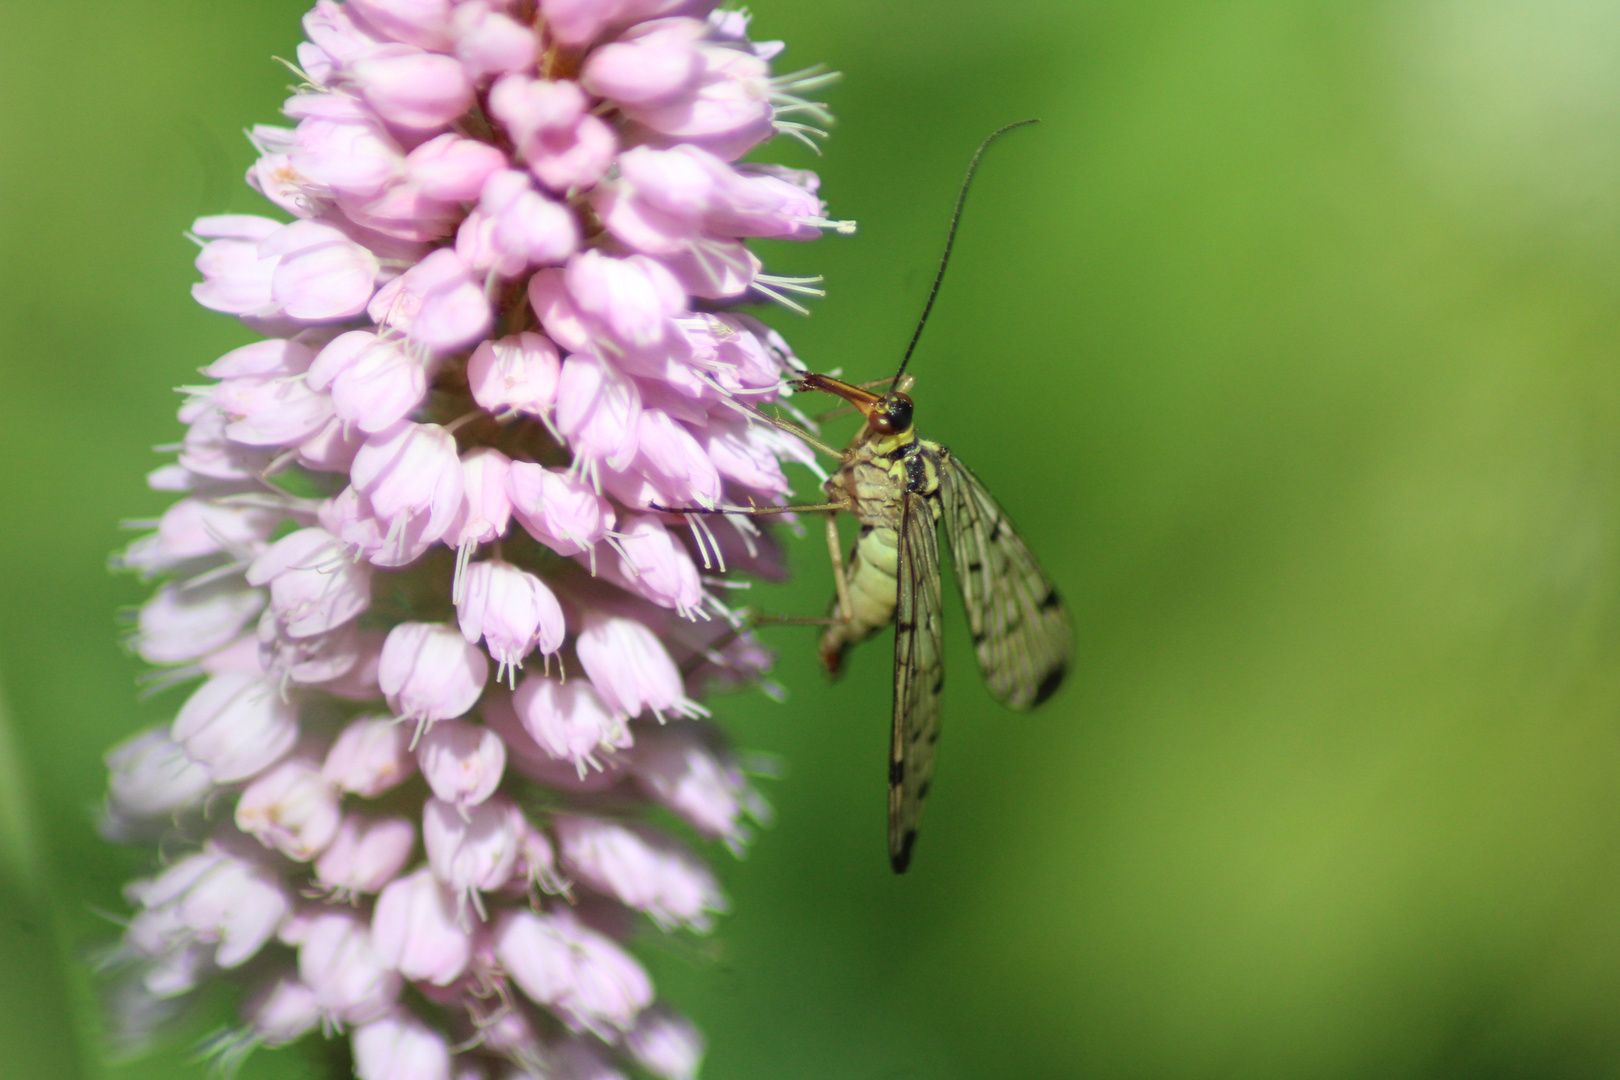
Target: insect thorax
{"points": [[877, 473]]}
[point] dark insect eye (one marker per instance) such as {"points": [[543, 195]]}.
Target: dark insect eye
{"points": [[897, 413]]}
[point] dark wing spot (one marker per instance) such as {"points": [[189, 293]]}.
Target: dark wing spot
{"points": [[901, 858], [866, 530], [922, 792], [939, 681], [933, 737], [897, 772], [1049, 685], [1051, 600], [995, 531], [975, 566], [904, 625], [978, 638]]}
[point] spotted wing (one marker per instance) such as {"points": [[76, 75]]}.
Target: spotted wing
{"points": [[919, 675], [1020, 628]]}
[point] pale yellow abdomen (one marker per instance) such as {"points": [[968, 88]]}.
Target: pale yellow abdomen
{"points": [[873, 591]]}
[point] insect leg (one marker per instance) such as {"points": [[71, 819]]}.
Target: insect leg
{"points": [[755, 511], [836, 550]]}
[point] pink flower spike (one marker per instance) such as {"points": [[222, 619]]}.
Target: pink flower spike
{"points": [[236, 725], [212, 898], [512, 610], [453, 168], [371, 755], [562, 143], [417, 932], [461, 762], [430, 673], [398, 1046], [569, 721], [413, 89], [641, 869], [337, 960], [558, 508], [666, 1044], [365, 854], [437, 303], [584, 977], [194, 528], [411, 471], [183, 623], [291, 808], [473, 850], [236, 279], [314, 585], [519, 372], [321, 275]]}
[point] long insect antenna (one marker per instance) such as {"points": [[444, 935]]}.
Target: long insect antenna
{"points": [[950, 239]]}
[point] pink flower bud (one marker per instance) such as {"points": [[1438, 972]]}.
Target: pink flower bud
{"points": [[475, 853], [461, 762], [582, 976], [562, 143], [650, 64], [235, 725], [453, 168], [207, 452], [371, 756], [195, 528], [530, 759], [641, 869], [598, 410], [632, 298], [235, 279], [395, 542], [320, 275], [742, 453], [333, 30], [417, 932], [654, 565], [151, 776], [518, 372], [374, 382], [490, 43], [512, 610], [318, 658], [411, 88], [337, 960], [282, 1012], [417, 22], [271, 411], [213, 898], [487, 509], [666, 1044], [340, 146], [314, 585], [182, 623], [429, 672], [274, 359], [437, 303], [666, 449], [398, 1046], [291, 808], [365, 854], [569, 721], [411, 471], [332, 448], [678, 766], [558, 508]]}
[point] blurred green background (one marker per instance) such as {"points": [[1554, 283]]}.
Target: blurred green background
{"points": [[1290, 339]]}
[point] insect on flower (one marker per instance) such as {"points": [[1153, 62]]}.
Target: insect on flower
{"points": [[900, 487]]}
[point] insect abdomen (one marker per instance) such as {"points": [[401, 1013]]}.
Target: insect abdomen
{"points": [[873, 590]]}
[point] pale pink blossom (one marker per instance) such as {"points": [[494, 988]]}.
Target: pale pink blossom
{"points": [[291, 808], [365, 854], [371, 756], [374, 382], [639, 868], [631, 669], [564, 145], [570, 721], [411, 471], [581, 975], [150, 776], [183, 622], [437, 304], [666, 1044], [314, 585], [339, 963], [461, 762], [398, 1046], [512, 610], [472, 849], [282, 1011], [429, 672], [518, 372], [196, 529], [412, 88], [235, 725], [558, 508], [418, 932]]}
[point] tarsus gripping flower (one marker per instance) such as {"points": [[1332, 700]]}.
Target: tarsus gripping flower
{"points": [[448, 650]]}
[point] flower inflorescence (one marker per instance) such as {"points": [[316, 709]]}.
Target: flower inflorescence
{"points": [[451, 652]]}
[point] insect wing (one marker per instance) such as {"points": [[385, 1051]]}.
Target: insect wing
{"points": [[1020, 628], [919, 676]]}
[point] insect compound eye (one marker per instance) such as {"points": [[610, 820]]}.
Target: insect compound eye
{"points": [[896, 413]]}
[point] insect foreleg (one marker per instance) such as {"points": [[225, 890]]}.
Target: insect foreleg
{"points": [[836, 550], [753, 511]]}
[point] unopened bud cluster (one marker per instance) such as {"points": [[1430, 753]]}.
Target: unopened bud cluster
{"points": [[445, 652]]}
